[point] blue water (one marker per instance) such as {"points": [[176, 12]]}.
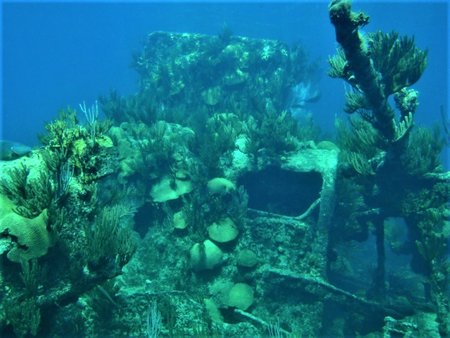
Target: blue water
{"points": [[60, 54]]}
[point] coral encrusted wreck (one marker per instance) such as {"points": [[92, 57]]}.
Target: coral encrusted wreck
{"points": [[201, 207]]}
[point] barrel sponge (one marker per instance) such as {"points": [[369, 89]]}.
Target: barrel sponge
{"points": [[30, 237], [241, 296], [220, 186], [223, 231], [170, 189], [205, 256], [247, 258]]}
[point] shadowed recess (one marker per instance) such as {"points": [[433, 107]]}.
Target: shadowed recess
{"points": [[281, 191]]}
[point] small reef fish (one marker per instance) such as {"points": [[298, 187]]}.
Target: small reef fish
{"points": [[10, 150], [299, 95]]}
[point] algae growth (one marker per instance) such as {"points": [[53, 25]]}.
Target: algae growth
{"points": [[203, 206]]}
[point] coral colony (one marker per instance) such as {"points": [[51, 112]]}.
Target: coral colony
{"points": [[202, 206]]}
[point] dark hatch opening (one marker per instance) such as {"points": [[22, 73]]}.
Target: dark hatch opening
{"points": [[281, 191]]}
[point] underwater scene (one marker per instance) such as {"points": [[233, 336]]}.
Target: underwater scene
{"points": [[232, 170]]}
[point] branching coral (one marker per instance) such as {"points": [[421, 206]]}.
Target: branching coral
{"points": [[62, 133], [360, 145], [391, 158], [397, 60], [136, 108], [272, 134], [86, 148], [217, 140], [150, 152], [422, 154], [376, 66], [30, 196], [108, 240], [55, 192]]}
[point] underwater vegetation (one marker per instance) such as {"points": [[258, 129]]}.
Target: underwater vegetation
{"points": [[204, 206], [398, 164], [59, 240]]}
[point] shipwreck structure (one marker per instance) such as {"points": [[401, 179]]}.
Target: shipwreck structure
{"points": [[205, 205]]}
